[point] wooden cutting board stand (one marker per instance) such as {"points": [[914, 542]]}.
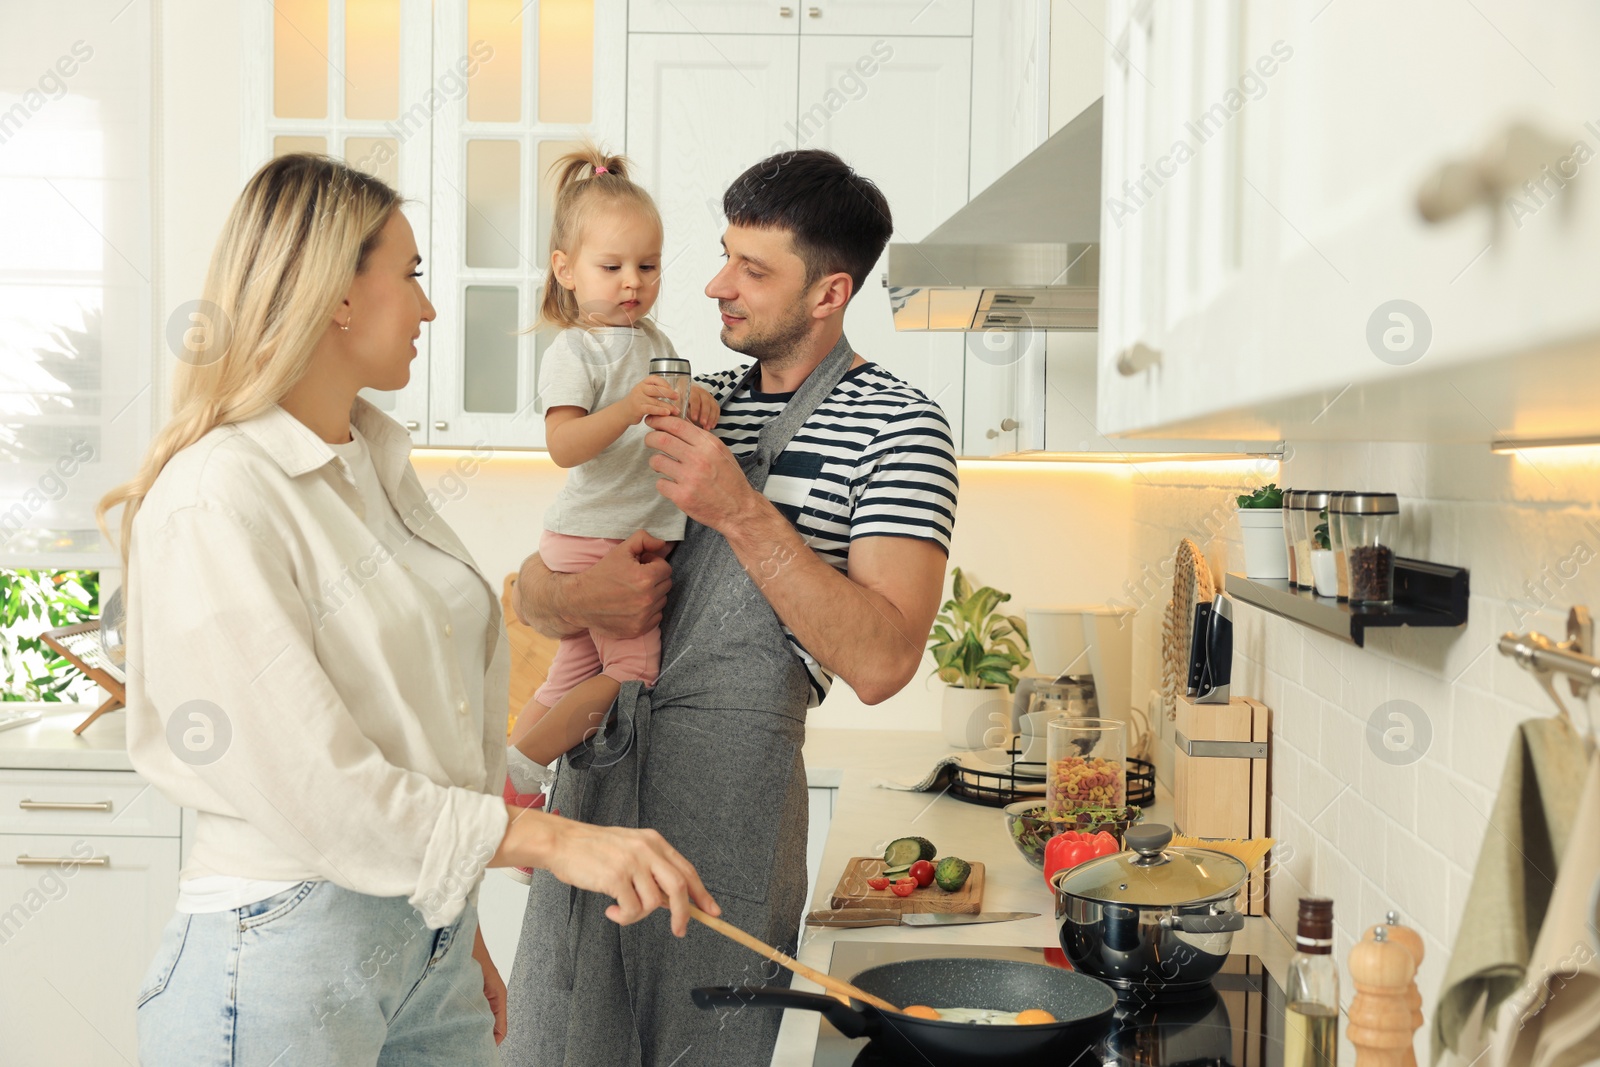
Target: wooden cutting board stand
{"points": [[854, 892]]}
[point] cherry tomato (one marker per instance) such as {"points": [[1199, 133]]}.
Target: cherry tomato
{"points": [[879, 882], [904, 887], [922, 871], [1105, 844]]}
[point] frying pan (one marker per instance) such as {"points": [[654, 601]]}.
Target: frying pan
{"points": [[1082, 1007]]}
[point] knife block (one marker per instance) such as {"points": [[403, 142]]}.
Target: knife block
{"points": [[1220, 777]]}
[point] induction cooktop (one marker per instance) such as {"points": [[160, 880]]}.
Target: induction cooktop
{"points": [[1236, 1022]]}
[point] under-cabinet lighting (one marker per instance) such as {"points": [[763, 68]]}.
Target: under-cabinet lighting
{"points": [[1506, 446]]}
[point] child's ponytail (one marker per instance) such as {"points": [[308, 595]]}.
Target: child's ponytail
{"points": [[585, 178]]}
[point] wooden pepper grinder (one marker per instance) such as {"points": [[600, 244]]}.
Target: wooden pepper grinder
{"points": [[1380, 1015], [1412, 942]]}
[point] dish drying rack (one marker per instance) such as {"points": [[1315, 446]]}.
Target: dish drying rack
{"points": [[1022, 779]]}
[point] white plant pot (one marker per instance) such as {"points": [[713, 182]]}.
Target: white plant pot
{"points": [[1265, 555], [1325, 571], [976, 718]]}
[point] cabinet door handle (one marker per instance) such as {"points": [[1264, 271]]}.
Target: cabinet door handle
{"points": [[1006, 426], [52, 861], [413, 425], [1511, 158], [1137, 357], [64, 805], [441, 425], [814, 12], [785, 12]]}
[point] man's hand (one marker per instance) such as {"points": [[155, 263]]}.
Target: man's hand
{"points": [[623, 595], [494, 988], [702, 475]]}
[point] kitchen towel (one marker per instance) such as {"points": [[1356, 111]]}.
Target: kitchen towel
{"points": [[1553, 1020], [1529, 827]]}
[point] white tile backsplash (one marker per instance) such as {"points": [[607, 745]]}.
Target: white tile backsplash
{"points": [[1374, 833]]}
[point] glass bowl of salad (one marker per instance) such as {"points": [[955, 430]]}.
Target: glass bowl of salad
{"points": [[1031, 826]]}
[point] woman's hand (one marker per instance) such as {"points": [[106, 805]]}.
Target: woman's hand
{"points": [[636, 868], [653, 396], [494, 990], [703, 409]]}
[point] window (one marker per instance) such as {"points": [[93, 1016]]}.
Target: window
{"points": [[76, 335]]}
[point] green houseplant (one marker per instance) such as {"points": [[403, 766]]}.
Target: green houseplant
{"points": [[1261, 531], [32, 602], [977, 651]]}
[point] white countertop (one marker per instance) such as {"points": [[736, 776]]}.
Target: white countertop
{"points": [[864, 816], [49, 744]]}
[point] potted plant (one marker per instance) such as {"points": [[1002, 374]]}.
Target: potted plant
{"points": [[977, 653], [1261, 529], [1323, 569]]}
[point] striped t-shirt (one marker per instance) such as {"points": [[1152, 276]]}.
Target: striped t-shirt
{"points": [[876, 459]]}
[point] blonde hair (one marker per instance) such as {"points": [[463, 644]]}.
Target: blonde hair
{"points": [[301, 231], [586, 179]]}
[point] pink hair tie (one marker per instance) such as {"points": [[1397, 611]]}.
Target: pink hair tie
{"points": [[601, 170]]}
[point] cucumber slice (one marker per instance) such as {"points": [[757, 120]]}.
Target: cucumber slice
{"points": [[903, 852], [896, 872]]}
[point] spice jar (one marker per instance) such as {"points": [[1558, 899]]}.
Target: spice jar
{"points": [[1341, 560], [1293, 531], [1086, 766], [1370, 523], [1312, 503]]}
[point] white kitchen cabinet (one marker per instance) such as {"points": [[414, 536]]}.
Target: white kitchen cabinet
{"points": [[79, 928], [688, 154], [906, 128], [900, 18], [821, 820], [828, 17], [1284, 243]]}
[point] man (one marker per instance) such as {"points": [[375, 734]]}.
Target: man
{"points": [[820, 518]]}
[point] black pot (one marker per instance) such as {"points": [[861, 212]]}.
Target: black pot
{"points": [[1082, 1007]]}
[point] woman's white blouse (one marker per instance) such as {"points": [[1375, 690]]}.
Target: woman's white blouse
{"points": [[293, 680]]}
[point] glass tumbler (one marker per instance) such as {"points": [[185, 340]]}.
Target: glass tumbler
{"points": [[1087, 765], [676, 371]]}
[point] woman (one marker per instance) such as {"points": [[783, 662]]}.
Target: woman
{"points": [[318, 669]]}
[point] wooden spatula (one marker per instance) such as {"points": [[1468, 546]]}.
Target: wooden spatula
{"points": [[837, 986]]}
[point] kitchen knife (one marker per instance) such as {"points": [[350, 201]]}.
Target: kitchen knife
{"points": [[1217, 671], [1197, 648], [863, 917]]}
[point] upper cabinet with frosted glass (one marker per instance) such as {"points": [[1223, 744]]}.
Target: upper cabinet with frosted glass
{"points": [[462, 107]]}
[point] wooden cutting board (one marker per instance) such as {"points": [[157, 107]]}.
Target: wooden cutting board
{"points": [[853, 891]]}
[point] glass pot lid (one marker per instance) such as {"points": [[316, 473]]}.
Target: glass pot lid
{"points": [[1154, 875]]}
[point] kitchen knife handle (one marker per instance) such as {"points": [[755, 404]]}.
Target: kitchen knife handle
{"points": [[853, 917]]}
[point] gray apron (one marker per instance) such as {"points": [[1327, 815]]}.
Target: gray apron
{"points": [[710, 757]]}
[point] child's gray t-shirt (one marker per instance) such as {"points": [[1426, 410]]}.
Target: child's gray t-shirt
{"points": [[614, 494]]}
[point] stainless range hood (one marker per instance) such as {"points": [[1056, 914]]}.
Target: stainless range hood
{"points": [[1024, 254]]}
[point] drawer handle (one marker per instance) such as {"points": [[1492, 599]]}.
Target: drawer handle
{"points": [[53, 861], [64, 805]]}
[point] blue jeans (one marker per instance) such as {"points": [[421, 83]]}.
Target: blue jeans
{"points": [[315, 975]]}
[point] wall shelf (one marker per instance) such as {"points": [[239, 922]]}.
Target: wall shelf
{"points": [[1425, 594]]}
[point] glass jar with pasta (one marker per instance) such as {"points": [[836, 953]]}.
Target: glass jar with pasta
{"points": [[1087, 765]]}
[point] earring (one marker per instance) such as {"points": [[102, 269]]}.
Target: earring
{"points": [[344, 326]]}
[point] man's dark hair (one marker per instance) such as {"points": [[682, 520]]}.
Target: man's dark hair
{"points": [[839, 220]]}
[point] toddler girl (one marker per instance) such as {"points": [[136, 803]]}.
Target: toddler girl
{"points": [[605, 264]]}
